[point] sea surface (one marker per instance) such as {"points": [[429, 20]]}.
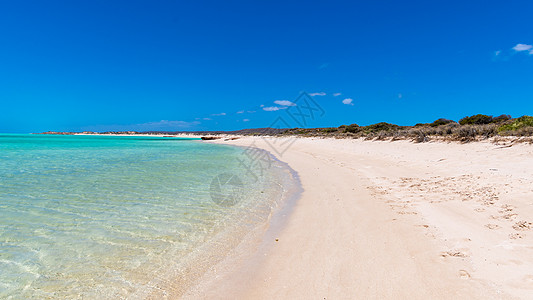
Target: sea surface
{"points": [[104, 217]]}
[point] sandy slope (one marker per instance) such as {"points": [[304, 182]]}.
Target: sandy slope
{"points": [[393, 220]]}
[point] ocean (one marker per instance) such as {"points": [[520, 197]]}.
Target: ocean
{"points": [[103, 217]]}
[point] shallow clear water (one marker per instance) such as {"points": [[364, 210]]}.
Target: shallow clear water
{"points": [[107, 217]]}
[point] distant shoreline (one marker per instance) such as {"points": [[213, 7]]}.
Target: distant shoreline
{"points": [[468, 129]]}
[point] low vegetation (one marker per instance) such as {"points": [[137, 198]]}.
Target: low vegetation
{"points": [[471, 128], [483, 119], [520, 126]]}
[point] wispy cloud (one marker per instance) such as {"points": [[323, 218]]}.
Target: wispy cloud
{"points": [[272, 108], [336, 94], [523, 47], [400, 96], [347, 101], [317, 94], [246, 120], [240, 112], [284, 103], [218, 115]]}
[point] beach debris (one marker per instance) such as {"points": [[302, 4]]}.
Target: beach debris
{"points": [[453, 253], [209, 138]]}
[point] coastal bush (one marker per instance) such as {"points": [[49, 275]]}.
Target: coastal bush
{"points": [[352, 128], [329, 130], [467, 133], [440, 122], [420, 137], [517, 124], [474, 128], [501, 118], [382, 126], [476, 120]]}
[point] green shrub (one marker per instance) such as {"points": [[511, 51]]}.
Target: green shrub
{"points": [[328, 130], [382, 126], [353, 128], [501, 118], [476, 120], [516, 124], [440, 121]]}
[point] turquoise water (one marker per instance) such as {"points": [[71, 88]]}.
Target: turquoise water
{"points": [[107, 217]]}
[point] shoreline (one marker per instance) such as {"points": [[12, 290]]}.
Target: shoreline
{"points": [[247, 256], [369, 224], [236, 241]]}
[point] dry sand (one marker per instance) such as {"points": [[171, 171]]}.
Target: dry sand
{"points": [[392, 220]]}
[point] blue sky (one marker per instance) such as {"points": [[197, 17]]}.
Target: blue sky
{"points": [[206, 65]]}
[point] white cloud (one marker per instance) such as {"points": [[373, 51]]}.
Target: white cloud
{"points": [[284, 103], [271, 108], [218, 115], [207, 119], [262, 105], [347, 101], [240, 112], [250, 111], [496, 53], [317, 94], [246, 120], [336, 94], [400, 96], [523, 47]]}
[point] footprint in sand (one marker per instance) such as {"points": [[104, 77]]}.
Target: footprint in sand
{"points": [[515, 236], [464, 274], [506, 208], [522, 225], [493, 226]]}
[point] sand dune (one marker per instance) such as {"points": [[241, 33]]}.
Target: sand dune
{"points": [[392, 220]]}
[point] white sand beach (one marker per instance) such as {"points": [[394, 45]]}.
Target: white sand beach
{"points": [[392, 220]]}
